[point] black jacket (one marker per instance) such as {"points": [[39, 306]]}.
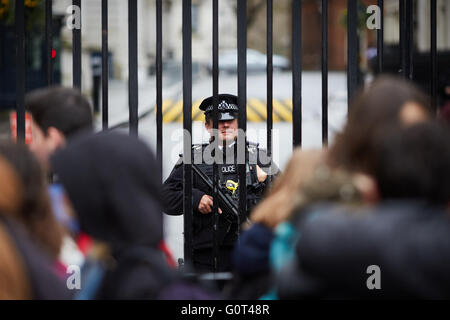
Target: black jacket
{"points": [[203, 223], [114, 185], [408, 241]]}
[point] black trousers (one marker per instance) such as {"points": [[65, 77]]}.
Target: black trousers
{"points": [[203, 259]]}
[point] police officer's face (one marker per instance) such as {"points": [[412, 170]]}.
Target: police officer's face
{"points": [[227, 129]]}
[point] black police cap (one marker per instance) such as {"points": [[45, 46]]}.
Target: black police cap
{"points": [[227, 104]]}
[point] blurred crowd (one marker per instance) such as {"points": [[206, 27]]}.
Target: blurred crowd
{"points": [[81, 214]]}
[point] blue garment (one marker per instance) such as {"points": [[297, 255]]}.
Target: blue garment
{"points": [[281, 252], [57, 194], [251, 255], [282, 249]]}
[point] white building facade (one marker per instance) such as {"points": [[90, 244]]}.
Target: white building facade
{"points": [[118, 34], [422, 32]]}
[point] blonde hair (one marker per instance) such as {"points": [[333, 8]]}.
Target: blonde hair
{"points": [[283, 197], [309, 179]]}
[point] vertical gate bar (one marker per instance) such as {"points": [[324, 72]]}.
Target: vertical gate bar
{"points": [[187, 126], [159, 97], [21, 69], [269, 79], [215, 74], [133, 66], [380, 37], [352, 49], [49, 40], [411, 38], [242, 98], [325, 72], [105, 65], [403, 38], [410, 33], [434, 58], [76, 50], [297, 72]]}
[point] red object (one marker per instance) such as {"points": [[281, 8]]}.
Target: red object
{"points": [[169, 257], [53, 54], [13, 123], [84, 243], [60, 269]]}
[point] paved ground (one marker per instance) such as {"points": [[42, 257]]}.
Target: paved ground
{"points": [[118, 99]]}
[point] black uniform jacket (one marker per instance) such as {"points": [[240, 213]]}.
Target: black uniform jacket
{"points": [[203, 223]]}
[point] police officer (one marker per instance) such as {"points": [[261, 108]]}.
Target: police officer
{"points": [[258, 167]]}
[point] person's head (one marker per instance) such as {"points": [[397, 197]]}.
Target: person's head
{"points": [[114, 185], [57, 114], [227, 116], [35, 211], [387, 102], [413, 163]]}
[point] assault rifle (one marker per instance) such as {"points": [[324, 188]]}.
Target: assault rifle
{"points": [[231, 209]]}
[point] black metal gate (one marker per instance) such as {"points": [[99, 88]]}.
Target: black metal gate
{"points": [[406, 54]]}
